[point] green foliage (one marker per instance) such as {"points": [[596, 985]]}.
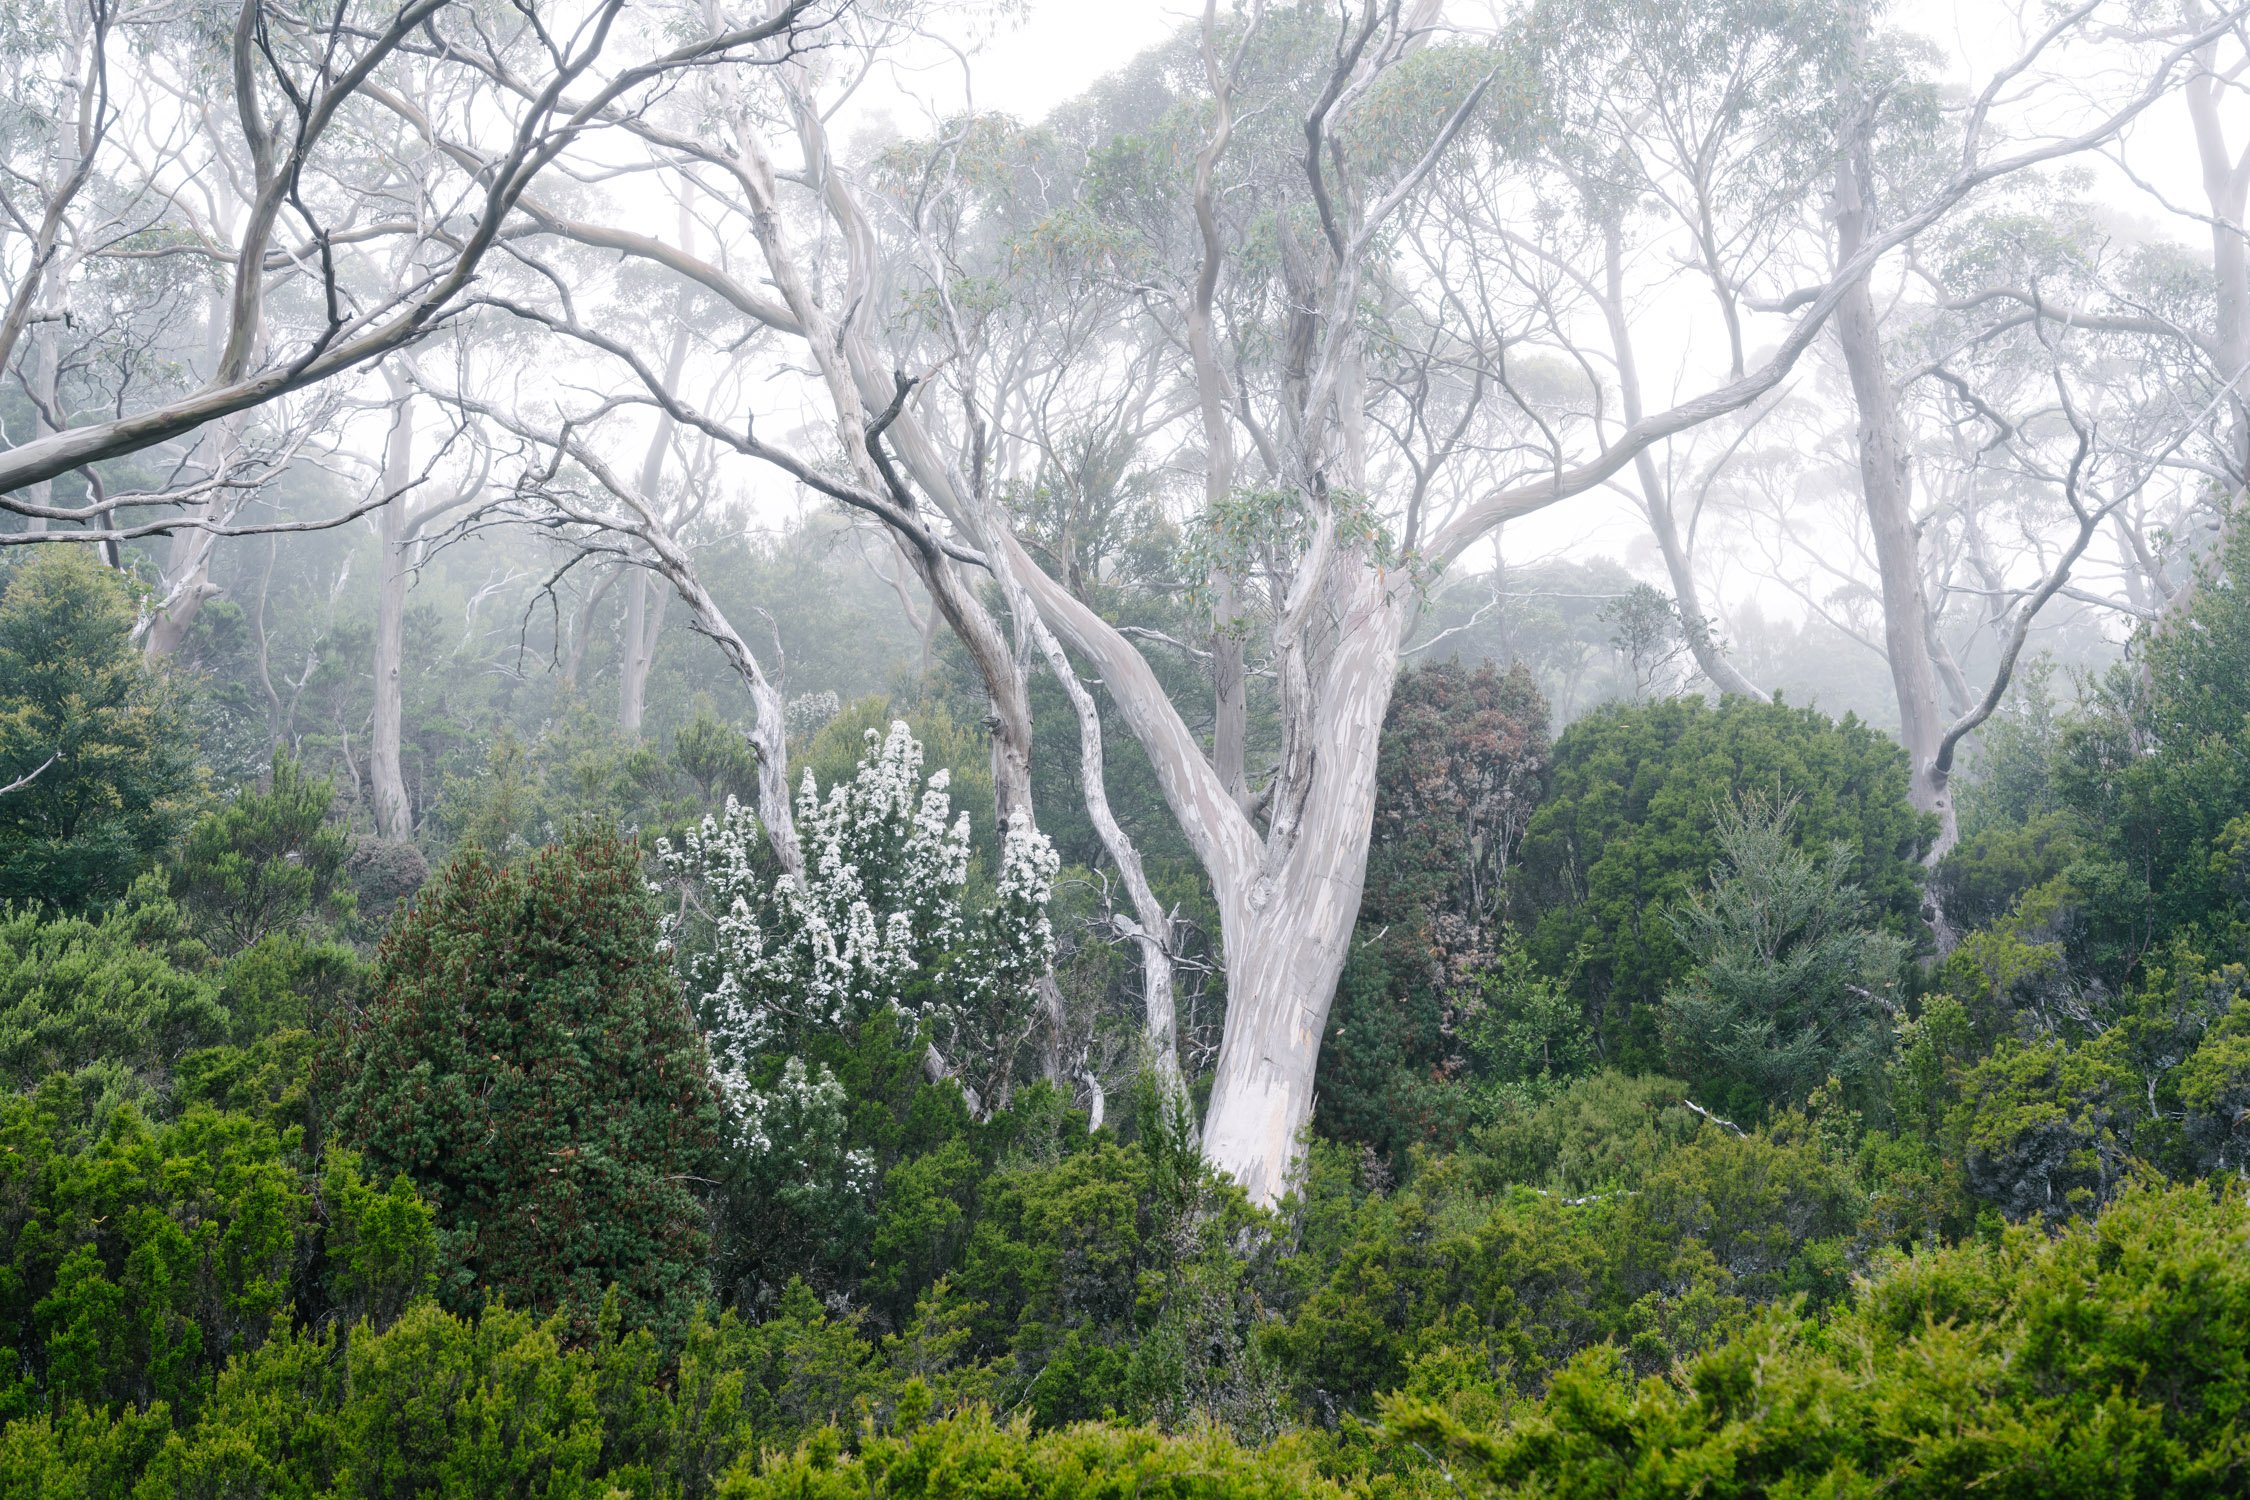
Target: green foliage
{"points": [[275, 1220], [1630, 826], [2007, 782], [2155, 771], [267, 862], [1602, 1133], [102, 996], [2047, 1128], [288, 981], [833, 753], [498, 1405], [1526, 1033], [2113, 1360], [525, 790], [1606, 1213], [975, 1455], [1255, 533], [143, 1254], [1789, 987], [526, 1060], [716, 756], [1457, 776], [1987, 873], [76, 700]]}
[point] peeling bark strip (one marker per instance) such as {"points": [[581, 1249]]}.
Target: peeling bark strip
{"points": [[1288, 926]]}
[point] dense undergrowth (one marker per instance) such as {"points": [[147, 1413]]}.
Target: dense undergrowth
{"points": [[1661, 1150]]}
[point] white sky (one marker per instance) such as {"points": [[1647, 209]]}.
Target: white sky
{"points": [[1062, 46]]}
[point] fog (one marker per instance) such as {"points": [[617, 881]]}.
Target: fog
{"points": [[1129, 383]]}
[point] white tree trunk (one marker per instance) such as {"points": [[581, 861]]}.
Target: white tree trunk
{"points": [[1886, 493], [644, 615], [187, 566], [2226, 186], [644, 624], [1288, 928], [386, 773]]}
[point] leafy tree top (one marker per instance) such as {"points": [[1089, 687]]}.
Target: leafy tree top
{"points": [[267, 861], [525, 1059], [1630, 826], [92, 737]]}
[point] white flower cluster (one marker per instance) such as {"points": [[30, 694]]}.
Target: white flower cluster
{"points": [[800, 1126], [876, 913], [1019, 941], [806, 712]]}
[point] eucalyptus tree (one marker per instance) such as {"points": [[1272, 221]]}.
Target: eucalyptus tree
{"points": [[1253, 228], [415, 499], [1343, 515], [2009, 395], [59, 112], [1685, 140], [301, 262]]}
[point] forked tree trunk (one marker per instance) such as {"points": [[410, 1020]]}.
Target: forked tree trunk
{"points": [[1287, 906], [1288, 927]]}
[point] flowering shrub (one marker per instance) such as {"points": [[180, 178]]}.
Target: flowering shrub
{"points": [[875, 924]]}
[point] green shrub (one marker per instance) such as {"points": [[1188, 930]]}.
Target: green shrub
{"points": [[1629, 827], [79, 992], [142, 1255], [2111, 1360], [525, 1058], [268, 862], [76, 699]]}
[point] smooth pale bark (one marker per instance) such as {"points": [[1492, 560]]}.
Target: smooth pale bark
{"points": [[386, 773], [187, 565], [552, 120], [1885, 476], [1656, 499], [77, 136], [2226, 188], [45, 364], [769, 732], [1151, 926], [1288, 928], [1286, 906], [644, 614], [1288, 896], [1230, 688], [644, 627], [44, 285], [187, 570], [582, 626], [857, 383], [661, 551]]}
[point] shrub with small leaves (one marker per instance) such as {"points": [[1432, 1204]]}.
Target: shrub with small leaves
{"points": [[526, 1060]]}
